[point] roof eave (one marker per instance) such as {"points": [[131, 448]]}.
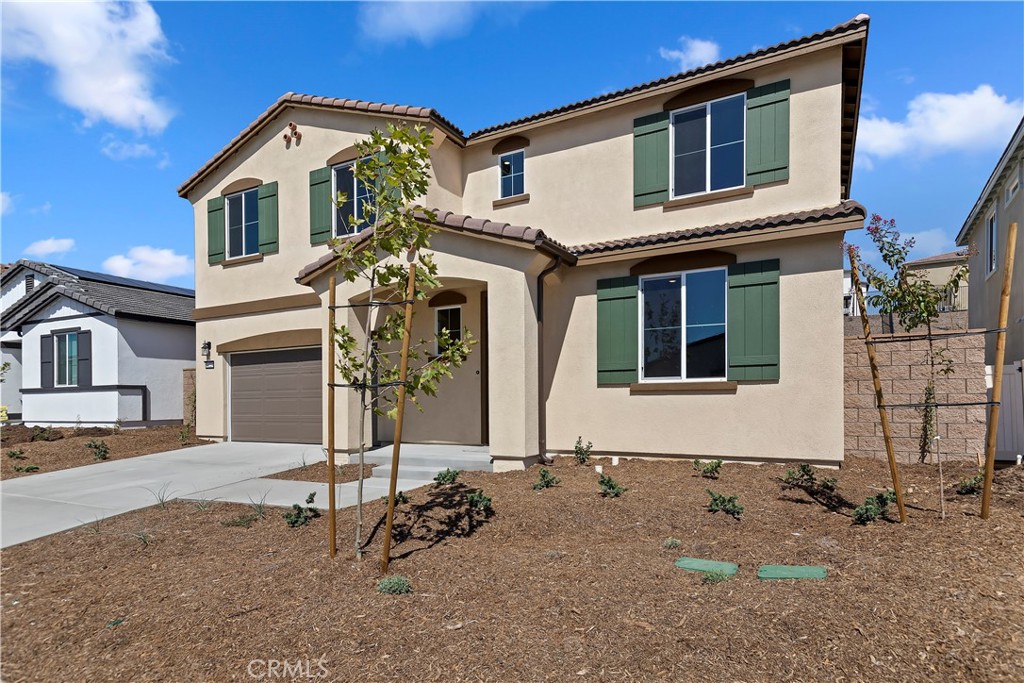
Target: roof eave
{"points": [[1011, 151]]}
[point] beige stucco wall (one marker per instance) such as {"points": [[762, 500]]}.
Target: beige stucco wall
{"points": [[579, 173], [986, 287], [800, 417]]}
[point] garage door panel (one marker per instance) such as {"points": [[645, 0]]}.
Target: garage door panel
{"points": [[276, 396]]}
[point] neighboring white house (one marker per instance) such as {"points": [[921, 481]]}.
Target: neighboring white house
{"points": [[93, 349]]}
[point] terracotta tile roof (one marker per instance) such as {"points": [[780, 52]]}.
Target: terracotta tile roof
{"points": [[848, 209], [949, 256], [857, 22]]}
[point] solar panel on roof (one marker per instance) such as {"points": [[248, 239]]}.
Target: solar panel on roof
{"points": [[127, 282]]}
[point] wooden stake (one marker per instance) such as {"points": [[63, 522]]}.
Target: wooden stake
{"points": [[997, 371], [879, 399], [332, 520], [403, 373]]}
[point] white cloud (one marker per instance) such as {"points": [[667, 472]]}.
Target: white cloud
{"points": [[42, 209], [165, 161], [930, 242], [119, 150], [54, 246], [424, 21], [6, 204], [695, 52], [942, 122], [102, 55], [149, 263]]}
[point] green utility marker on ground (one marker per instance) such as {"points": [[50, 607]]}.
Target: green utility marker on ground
{"points": [[782, 571], [692, 564]]}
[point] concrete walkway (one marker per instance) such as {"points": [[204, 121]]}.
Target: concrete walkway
{"points": [[43, 504]]}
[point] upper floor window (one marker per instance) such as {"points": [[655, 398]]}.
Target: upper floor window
{"points": [[707, 143], [1013, 186], [243, 223], [30, 283], [65, 351], [511, 165], [991, 242], [343, 179], [682, 320]]}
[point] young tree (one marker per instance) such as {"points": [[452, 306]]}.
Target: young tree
{"points": [[915, 302], [390, 231]]}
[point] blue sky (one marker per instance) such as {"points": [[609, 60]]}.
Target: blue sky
{"points": [[107, 109]]}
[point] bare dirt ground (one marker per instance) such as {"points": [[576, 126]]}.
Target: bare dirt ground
{"points": [[67, 447], [552, 586], [318, 473]]}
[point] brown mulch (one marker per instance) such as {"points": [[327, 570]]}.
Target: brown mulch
{"points": [[67, 449], [318, 473], [553, 586]]}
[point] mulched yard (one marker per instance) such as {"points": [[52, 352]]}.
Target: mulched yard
{"points": [[67, 447], [318, 473], [553, 586]]}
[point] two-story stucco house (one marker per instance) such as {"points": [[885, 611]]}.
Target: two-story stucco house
{"points": [[674, 293]]}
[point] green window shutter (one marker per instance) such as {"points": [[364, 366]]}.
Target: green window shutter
{"points": [[768, 133], [650, 159], [215, 229], [617, 331], [320, 205], [268, 220], [753, 321]]}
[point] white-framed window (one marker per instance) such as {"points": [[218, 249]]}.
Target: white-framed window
{"points": [[343, 179], [682, 326], [1013, 186], [512, 175], [707, 145], [448, 318], [65, 360], [991, 242], [242, 223]]}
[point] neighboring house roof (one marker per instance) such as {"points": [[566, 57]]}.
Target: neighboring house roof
{"points": [[116, 296], [1006, 163], [482, 227], [853, 70], [958, 256]]}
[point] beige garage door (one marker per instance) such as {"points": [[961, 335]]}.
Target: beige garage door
{"points": [[275, 396]]}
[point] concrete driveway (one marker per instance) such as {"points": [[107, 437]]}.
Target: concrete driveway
{"points": [[43, 504]]}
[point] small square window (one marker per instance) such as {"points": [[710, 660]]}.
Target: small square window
{"points": [[450, 319], [243, 223], [511, 166]]}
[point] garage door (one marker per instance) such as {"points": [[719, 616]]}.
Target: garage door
{"points": [[275, 396]]}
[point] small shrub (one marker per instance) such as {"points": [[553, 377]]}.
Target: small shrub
{"points": [[16, 454], [804, 478], [301, 516], [708, 470], [726, 504], [609, 488], [142, 537], [394, 585], [547, 480], [581, 452], [449, 476], [259, 507], [245, 520], [100, 449], [114, 623], [185, 434], [400, 498], [163, 497], [714, 577], [45, 434], [26, 468], [671, 543], [478, 501], [828, 484], [971, 486], [874, 507]]}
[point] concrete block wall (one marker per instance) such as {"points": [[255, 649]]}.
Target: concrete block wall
{"points": [[188, 394], [903, 367]]}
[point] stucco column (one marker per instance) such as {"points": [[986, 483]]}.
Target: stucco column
{"points": [[512, 367], [346, 400]]}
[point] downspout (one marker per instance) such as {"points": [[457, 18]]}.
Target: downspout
{"points": [[542, 410]]}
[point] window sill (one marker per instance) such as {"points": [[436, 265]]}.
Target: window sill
{"points": [[712, 387], [511, 201], [720, 195], [241, 260]]}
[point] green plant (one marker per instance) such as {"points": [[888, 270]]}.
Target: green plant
{"points": [[610, 489], [708, 470], [394, 585], [301, 516], [16, 454], [45, 434], [114, 623], [400, 498], [714, 577], [118, 423], [671, 543], [478, 501], [26, 468], [203, 504], [971, 486], [874, 507], [448, 476], [143, 537], [162, 496], [804, 478], [245, 519], [259, 507], [581, 452], [547, 480], [100, 449], [726, 504]]}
